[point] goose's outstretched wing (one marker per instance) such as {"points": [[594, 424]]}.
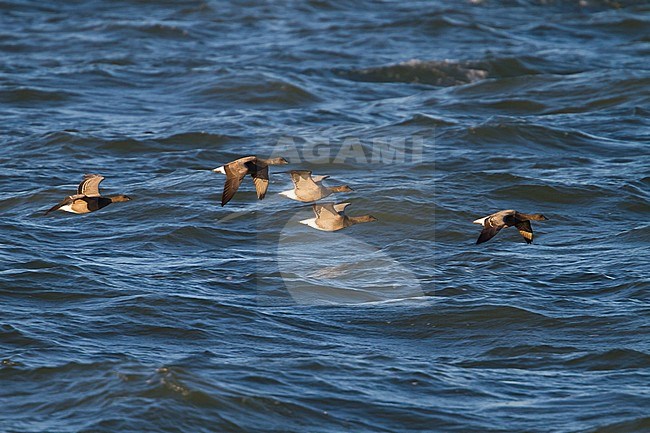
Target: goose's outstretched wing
{"points": [[525, 230], [325, 211], [340, 207], [89, 186], [261, 181], [66, 201], [488, 233], [302, 179], [230, 188]]}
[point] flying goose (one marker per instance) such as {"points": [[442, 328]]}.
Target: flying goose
{"points": [[88, 199], [508, 218], [237, 170], [307, 188], [331, 217]]}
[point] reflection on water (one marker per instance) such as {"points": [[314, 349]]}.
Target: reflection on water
{"points": [[337, 267]]}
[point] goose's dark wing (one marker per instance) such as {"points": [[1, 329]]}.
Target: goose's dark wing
{"points": [[488, 233], [261, 181], [68, 200], [240, 167], [525, 230], [89, 186], [230, 188]]}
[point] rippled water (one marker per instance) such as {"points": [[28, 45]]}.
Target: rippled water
{"points": [[170, 313]]}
